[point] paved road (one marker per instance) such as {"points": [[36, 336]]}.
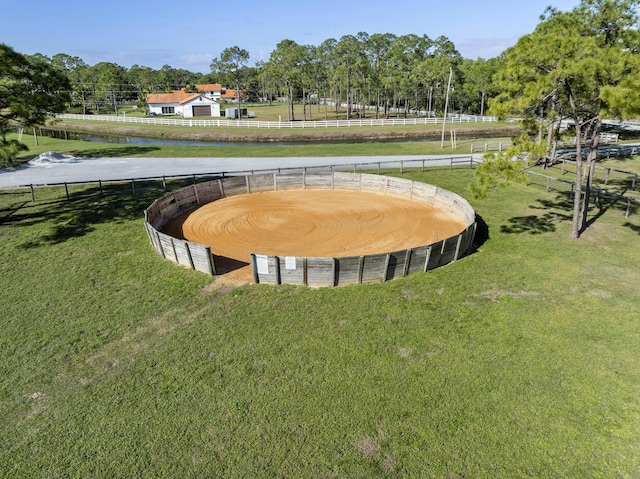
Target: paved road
{"points": [[56, 170]]}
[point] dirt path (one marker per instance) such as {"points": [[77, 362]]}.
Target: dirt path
{"points": [[323, 223]]}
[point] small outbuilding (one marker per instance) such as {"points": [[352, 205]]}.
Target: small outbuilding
{"points": [[187, 105]]}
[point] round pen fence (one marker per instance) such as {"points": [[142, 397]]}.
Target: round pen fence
{"points": [[313, 271]]}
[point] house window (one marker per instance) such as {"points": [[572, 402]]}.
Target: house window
{"points": [[168, 110]]}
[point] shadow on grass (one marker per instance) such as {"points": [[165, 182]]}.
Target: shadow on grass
{"points": [[121, 152], [561, 210], [632, 227], [540, 224], [64, 219], [10, 210], [531, 224]]}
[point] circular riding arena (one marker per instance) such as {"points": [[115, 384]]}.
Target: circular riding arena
{"points": [[315, 229]]}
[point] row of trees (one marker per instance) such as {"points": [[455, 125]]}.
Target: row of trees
{"points": [[383, 71]]}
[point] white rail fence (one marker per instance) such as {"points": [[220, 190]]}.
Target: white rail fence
{"points": [[278, 124]]}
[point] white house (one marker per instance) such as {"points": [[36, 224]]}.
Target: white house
{"points": [[218, 92], [187, 105]]}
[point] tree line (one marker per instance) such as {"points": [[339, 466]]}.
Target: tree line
{"points": [[383, 71]]}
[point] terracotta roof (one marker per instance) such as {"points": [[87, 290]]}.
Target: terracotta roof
{"points": [[179, 96], [231, 94], [210, 87]]}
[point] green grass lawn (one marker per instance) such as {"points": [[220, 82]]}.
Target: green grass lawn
{"points": [[520, 360], [615, 175], [96, 149]]}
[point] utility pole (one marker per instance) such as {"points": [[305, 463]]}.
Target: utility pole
{"points": [[446, 106]]}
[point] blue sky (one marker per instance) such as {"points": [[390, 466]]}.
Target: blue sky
{"points": [[190, 34]]}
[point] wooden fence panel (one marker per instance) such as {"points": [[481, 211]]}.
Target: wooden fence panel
{"points": [[260, 183], [153, 215], [320, 271], [348, 270], [290, 181], [450, 250], [166, 247], [235, 185], [292, 270], [374, 267], [424, 193], [152, 234], [399, 187], [319, 181], [346, 181], [463, 210], [417, 259], [467, 239], [168, 206], [186, 198], [209, 191], [202, 258], [444, 200], [183, 254], [373, 183], [436, 255], [266, 268], [396, 264]]}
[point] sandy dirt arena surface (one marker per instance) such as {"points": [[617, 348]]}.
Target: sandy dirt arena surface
{"points": [[321, 223]]}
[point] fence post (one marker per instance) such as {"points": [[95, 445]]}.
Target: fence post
{"points": [[278, 274], [633, 183], [133, 186], [33, 194], [66, 189], [427, 258], [189, 257], [401, 166], [386, 267], [254, 269]]}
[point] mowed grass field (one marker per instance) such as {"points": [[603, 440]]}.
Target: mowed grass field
{"points": [[81, 148], [520, 360]]}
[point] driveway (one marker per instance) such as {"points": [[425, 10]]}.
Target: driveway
{"points": [[57, 168]]}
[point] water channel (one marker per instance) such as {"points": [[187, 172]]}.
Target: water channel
{"points": [[135, 140]]}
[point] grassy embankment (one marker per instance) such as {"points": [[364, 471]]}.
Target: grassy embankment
{"points": [[427, 138], [97, 149], [520, 360]]}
